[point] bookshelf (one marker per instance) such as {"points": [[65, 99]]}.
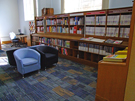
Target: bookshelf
{"points": [[40, 24], [71, 27]]}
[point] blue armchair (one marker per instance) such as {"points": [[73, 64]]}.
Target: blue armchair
{"points": [[27, 60]]}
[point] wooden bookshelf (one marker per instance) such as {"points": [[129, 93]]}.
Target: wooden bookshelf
{"points": [[74, 26]]}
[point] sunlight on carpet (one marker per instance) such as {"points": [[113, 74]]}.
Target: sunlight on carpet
{"points": [[3, 61]]}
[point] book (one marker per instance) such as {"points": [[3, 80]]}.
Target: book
{"points": [[115, 58], [87, 39], [109, 41], [117, 41], [121, 52], [97, 40], [113, 41]]}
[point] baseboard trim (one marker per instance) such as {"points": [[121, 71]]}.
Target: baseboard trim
{"points": [[5, 42]]}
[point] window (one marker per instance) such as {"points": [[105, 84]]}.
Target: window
{"points": [[28, 10], [81, 5]]}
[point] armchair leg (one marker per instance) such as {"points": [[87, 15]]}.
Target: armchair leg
{"points": [[56, 64], [45, 68], [38, 71], [23, 76]]}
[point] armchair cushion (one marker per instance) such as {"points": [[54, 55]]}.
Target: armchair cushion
{"points": [[29, 61], [49, 55]]}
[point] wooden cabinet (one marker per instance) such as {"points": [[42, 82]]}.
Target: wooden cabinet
{"points": [[111, 81]]}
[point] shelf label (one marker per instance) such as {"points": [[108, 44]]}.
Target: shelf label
{"points": [[120, 10], [65, 15], [38, 18], [92, 13], [51, 16], [77, 14]]}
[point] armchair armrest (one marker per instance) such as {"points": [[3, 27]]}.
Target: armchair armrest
{"points": [[52, 50]]}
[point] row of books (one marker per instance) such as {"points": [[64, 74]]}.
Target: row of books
{"points": [[74, 30], [59, 42], [113, 20], [62, 51], [124, 32], [59, 29], [112, 31], [99, 31], [76, 21], [39, 23], [100, 20], [62, 30], [48, 40], [51, 22], [90, 20], [64, 43], [63, 21], [90, 30], [65, 30], [125, 19], [102, 50], [40, 29], [51, 29]]}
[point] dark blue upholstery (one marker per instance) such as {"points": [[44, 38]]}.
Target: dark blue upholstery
{"points": [[49, 55], [10, 56]]}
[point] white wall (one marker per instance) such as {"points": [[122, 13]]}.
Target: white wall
{"points": [[9, 18], [120, 3], [24, 25], [55, 4], [43, 4]]}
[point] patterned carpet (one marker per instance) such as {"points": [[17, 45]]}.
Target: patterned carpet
{"points": [[68, 81]]}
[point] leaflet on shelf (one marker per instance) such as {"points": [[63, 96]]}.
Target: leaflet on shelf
{"points": [[111, 41], [115, 58]]}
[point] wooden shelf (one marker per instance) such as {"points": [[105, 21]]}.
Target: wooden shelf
{"points": [[87, 57], [39, 25]]}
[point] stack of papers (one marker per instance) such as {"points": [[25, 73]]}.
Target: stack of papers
{"points": [[115, 58], [93, 39]]}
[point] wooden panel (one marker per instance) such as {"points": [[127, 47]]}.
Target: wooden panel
{"points": [[82, 61], [130, 89], [111, 80], [6, 42], [99, 98]]}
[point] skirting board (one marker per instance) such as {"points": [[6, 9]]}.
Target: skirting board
{"points": [[5, 42]]}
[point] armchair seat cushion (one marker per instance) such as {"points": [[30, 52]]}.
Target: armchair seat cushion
{"points": [[50, 55], [29, 61]]}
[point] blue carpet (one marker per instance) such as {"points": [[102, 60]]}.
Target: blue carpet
{"points": [[68, 81], [1, 50]]}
